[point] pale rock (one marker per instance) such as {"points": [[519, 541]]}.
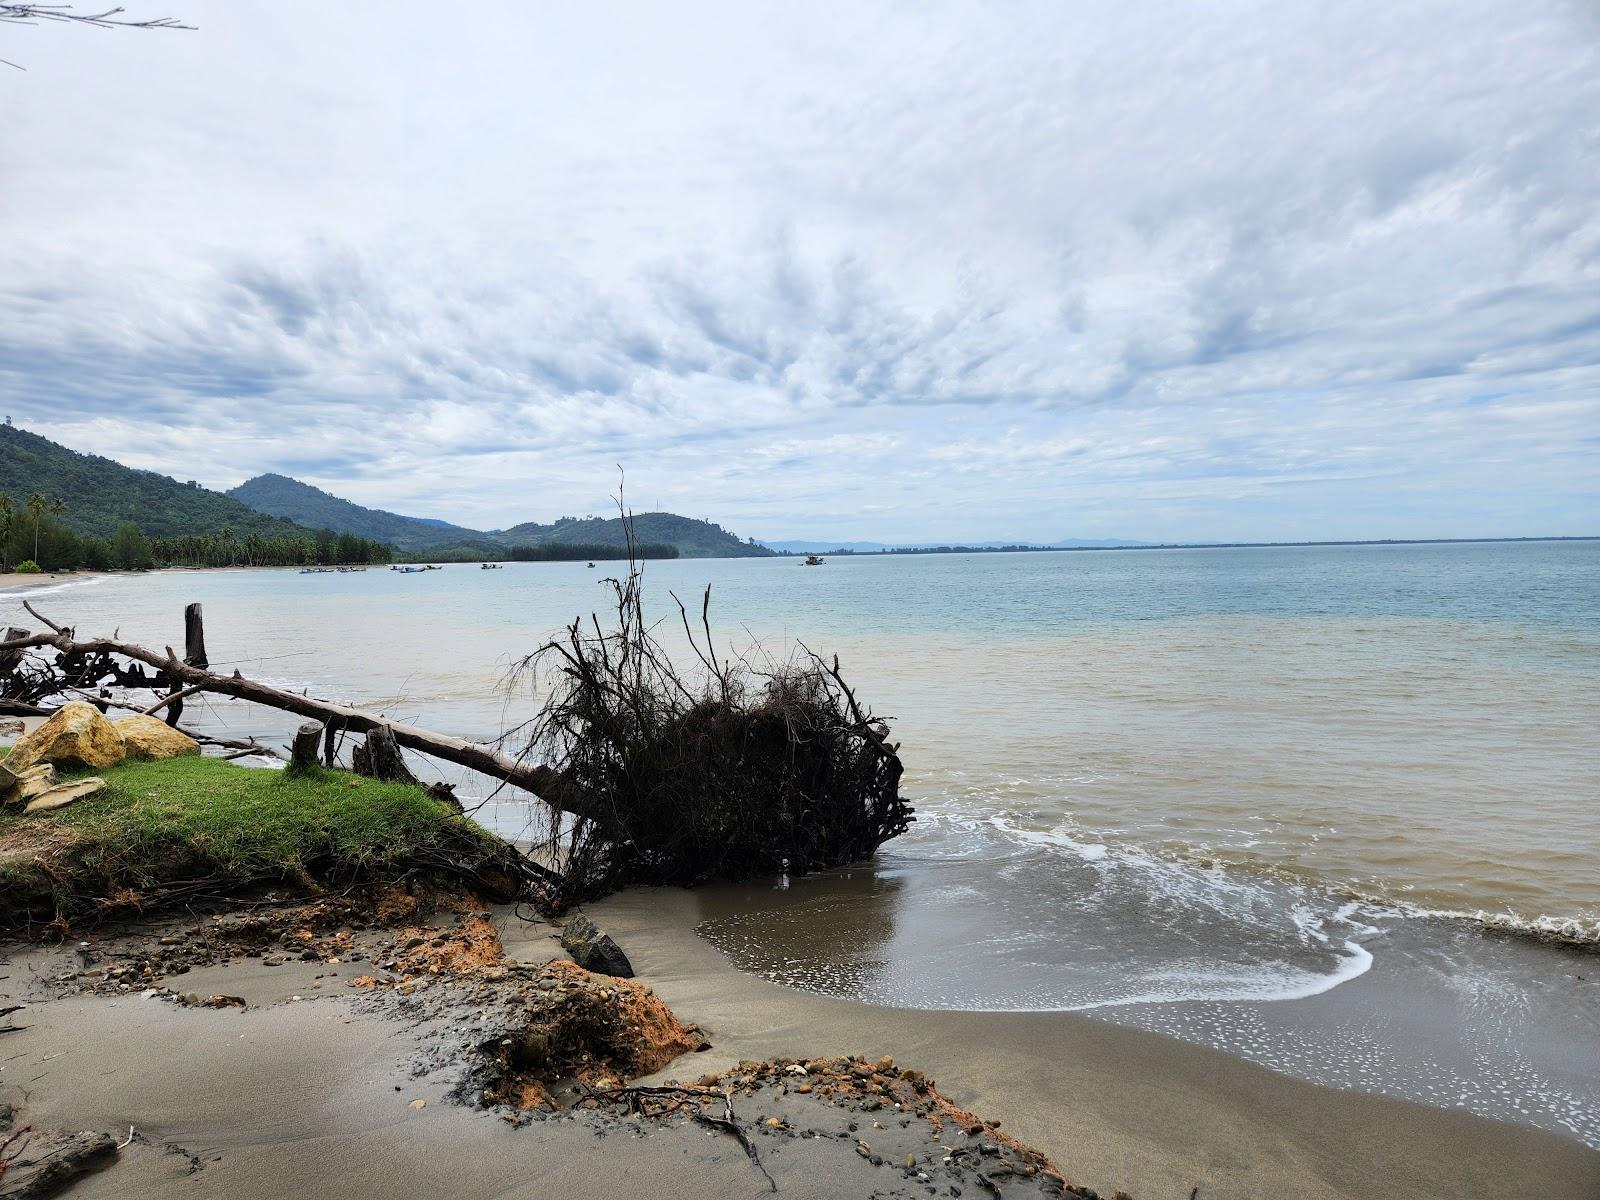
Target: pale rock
{"points": [[77, 735], [64, 794], [150, 737]]}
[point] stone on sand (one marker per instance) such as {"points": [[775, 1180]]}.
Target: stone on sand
{"points": [[593, 950]]}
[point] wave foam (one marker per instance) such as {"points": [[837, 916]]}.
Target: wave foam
{"points": [[28, 593]]}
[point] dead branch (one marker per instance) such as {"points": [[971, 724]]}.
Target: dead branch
{"points": [[111, 18], [170, 698], [33, 14]]}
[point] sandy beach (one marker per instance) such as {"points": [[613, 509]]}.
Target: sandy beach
{"points": [[21, 585], [314, 1089], [1114, 1107]]}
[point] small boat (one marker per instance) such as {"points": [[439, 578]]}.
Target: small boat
{"points": [[813, 561], [591, 564], [409, 570], [488, 566]]}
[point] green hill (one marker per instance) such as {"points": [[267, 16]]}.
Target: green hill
{"points": [[100, 494], [280, 496], [285, 497]]}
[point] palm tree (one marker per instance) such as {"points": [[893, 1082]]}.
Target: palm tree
{"points": [[6, 509], [36, 505]]}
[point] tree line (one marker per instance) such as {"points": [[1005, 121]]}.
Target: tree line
{"points": [[34, 538]]}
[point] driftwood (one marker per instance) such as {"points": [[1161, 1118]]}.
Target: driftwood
{"points": [[18, 708]]}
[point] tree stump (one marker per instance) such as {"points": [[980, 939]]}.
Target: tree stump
{"points": [[194, 638], [194, 653], [303, 750], [380, 758]]}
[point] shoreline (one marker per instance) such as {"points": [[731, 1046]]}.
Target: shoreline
{"points": [[20, 585], [1115, 1107], [329, 1045], [298, 1077]]}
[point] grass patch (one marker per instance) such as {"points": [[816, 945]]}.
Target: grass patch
{"points": [[188, 827]]}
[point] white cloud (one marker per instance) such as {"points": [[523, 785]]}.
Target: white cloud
{"points": [[901, 271]]}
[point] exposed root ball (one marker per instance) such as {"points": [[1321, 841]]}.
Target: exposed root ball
{"points": [[671, 779]]}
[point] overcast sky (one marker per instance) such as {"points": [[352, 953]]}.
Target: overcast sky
{"points": [[1127, 269]]}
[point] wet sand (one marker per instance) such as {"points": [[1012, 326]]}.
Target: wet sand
{"points": [[318, 1095], [1113, 1107]]}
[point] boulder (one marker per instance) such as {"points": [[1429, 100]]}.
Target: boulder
{"points": [[593, 950], [77, 736], [150, 737]]}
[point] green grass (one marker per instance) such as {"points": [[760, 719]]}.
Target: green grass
{"points": [[161, 826]]}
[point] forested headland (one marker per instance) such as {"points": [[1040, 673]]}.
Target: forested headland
{"points": [[65, 511]]}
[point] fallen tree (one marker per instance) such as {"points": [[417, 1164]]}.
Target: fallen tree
{"points": [[730, 771], [649, 774]]}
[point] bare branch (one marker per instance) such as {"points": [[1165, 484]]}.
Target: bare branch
{"points": [[111, 18]]}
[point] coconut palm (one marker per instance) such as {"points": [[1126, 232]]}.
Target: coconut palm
{"points": [[36, 505], [6, 509]]}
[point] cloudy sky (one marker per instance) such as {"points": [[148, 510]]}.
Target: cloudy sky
{"points": [[916, 270]]}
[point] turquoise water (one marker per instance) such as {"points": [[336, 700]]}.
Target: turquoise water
{"points": [[1311, 805]]}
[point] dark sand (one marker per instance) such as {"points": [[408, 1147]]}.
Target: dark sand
{"points": [[313, 1097], [1113, 1107]]}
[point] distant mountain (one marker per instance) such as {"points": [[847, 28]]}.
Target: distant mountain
{"points": [[284, 497], [814, 547], [693, 538], [100, 494], [281, 496]]}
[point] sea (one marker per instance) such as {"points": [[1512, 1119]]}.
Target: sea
{"points": [[1333, 809]]}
